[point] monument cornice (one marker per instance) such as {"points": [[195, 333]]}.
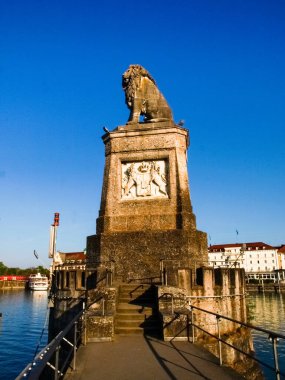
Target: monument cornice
{"points": [[145, 129]]}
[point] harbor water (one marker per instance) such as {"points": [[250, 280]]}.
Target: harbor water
{"points": [[23, 329], [267, 310], [24, 321]]}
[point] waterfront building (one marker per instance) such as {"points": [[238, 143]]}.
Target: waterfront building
{"points": [[69, 268], [68, 274], [260, 261]]}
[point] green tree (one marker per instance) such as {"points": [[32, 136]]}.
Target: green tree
{"points": [[3, 268]]}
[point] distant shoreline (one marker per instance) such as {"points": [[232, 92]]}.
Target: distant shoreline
{"points": [[6, 285]]}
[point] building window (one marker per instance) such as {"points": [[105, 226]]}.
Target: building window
{"points": [[250, 262]]}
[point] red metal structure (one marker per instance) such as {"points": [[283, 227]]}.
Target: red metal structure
{"points": [[13, 278]]}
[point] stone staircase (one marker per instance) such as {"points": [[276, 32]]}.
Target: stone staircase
{"points": [[137, 311]]}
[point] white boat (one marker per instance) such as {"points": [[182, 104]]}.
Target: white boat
{"points": [[38, 282]]}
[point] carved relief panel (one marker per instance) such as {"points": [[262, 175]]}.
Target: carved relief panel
{"points": [[145, 179]]}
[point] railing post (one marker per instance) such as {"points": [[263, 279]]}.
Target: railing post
{"points": [[276, 364], [56, 362], [103, 306], [161, 272], [187, 327], [172, 304], [84, 328], [74, 345], [219, 336], [192, 324]]}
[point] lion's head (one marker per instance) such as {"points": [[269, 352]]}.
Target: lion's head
{"points": [[131, 81]]}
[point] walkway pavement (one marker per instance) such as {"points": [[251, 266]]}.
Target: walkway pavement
{"points": [[147, 358]]}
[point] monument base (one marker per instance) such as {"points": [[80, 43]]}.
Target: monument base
{"points": [[139, 254]]}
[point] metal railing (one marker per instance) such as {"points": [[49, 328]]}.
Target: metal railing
{"points": [[273, 336], [49, 356], [103, 308]]}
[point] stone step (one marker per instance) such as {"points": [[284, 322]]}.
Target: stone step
{"points": [[131, 306], [135, 306], [130, 317], [139, 311], [130, 324], [129, 330], [134, 290], [134, 286], [135, 295], [135, 323], [134, 330], [139, 301]]}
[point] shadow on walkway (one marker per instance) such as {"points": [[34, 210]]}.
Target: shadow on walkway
{"points": [[147, 358]]}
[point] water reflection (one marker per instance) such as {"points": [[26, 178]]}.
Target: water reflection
{"points": [[267, 310], [24, 316]]}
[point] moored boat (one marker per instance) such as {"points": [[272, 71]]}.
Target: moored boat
{"points": [[38, 282]]}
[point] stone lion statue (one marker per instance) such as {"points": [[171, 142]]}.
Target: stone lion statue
{"points": [[143, 97]]}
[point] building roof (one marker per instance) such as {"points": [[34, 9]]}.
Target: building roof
{"points": [[281, 249], [72, 257], [249, 246], [75, 256]]}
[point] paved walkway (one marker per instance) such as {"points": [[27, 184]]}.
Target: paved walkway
{"points": [[146, 358]]}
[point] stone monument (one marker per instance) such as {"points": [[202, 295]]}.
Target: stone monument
{"points": [[146, 214], [147, 242]]}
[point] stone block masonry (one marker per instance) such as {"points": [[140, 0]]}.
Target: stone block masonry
{"points": [[146, 213]]}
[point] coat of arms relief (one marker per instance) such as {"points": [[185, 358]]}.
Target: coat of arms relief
{"points": [[144, 179]]}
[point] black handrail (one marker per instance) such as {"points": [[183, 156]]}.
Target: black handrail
{"points": [[273, 336], [33, 370], [269, 332]]}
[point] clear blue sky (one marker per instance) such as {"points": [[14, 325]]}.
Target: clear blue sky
{"points": [[220, 64]]}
